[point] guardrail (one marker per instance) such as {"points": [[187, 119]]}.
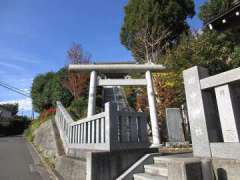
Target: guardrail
{"points": [[108, 131]]}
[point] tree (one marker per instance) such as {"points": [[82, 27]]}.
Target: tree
{"points": [[169, 92], [47, 89], [12, 108], [211, 50], [235, 56], [36, 93], [213, 8], [76, 82], [152, 26]]}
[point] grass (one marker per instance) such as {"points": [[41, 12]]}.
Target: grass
{"points": [[49, 161], [35, 124], [29, 135], [29, 132]]}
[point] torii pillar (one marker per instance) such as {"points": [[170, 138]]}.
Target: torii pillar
{"points": [[152, 109], [92, 94]]}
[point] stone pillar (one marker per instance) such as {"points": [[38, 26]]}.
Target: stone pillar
{"points": [[227, 112], [152, 109], [92, 94], [196, 111]]}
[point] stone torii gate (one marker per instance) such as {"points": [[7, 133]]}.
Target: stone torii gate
{"points": [[95, 81]]}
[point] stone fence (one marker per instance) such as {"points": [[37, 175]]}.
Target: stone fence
{"points": [[108, 131], [214, 112]]}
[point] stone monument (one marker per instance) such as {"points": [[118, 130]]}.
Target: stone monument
{"points": [[176, 136]]}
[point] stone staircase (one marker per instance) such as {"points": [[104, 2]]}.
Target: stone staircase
{"points": [[156, 171], [117, 95]]}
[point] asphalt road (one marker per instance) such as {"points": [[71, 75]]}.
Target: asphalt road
{"points": [[18, 161]]}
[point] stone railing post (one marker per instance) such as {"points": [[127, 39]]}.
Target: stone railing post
{"points": [[228, 112], [110, 123], [197, 115]]}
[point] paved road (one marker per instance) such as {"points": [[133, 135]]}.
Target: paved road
{"points": [[17, 161]]}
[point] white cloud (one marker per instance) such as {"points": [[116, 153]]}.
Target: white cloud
{"points": [[7, 55], [13, 66], [24, 104], [26, 90]]}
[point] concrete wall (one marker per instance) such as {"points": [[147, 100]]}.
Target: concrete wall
{"points": [[71, 169]]}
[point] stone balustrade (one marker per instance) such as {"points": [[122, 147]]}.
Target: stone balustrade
{"points": [[214, 112], [108, 131]]}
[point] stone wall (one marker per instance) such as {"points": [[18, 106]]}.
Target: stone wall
{"points": [[44, 140], [47, 140]]}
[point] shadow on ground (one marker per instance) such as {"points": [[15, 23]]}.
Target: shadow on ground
{"points": [[13, 127]]}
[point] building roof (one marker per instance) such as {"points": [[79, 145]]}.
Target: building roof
{"points": [[227, 19]]}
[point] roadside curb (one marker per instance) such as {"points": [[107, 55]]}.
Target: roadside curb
{"points": [[50, 174]]}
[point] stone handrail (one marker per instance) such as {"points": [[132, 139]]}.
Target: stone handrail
{"points": [[213, 111], [107, 131]]}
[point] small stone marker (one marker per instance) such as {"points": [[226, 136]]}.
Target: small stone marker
{"points": [[174, 125]]}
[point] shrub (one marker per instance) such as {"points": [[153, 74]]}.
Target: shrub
{"points": [[78, 109]]}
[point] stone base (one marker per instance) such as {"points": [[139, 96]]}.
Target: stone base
{"points": [[177, 144], [225, 150], [156, 146], [225, 169]]}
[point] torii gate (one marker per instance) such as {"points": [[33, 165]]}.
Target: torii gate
{"points": [[123, 68]]}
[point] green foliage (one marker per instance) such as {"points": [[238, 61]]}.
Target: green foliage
{"points": [[151, 26], [47, 89], [77, 109], [235, 62], [13, 108], [131, 94], [211, 50], [213, 8], [29, 132], [13, 126], [215, 51]]}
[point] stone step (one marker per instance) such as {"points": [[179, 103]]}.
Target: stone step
{"points": [[156, 169], [161, 161], [146, 176]]}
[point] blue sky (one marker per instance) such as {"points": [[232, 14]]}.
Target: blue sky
{"points": [[35, 35]]}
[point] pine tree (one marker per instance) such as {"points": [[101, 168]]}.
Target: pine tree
{"points": [[213, 8], [152, 26]]}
